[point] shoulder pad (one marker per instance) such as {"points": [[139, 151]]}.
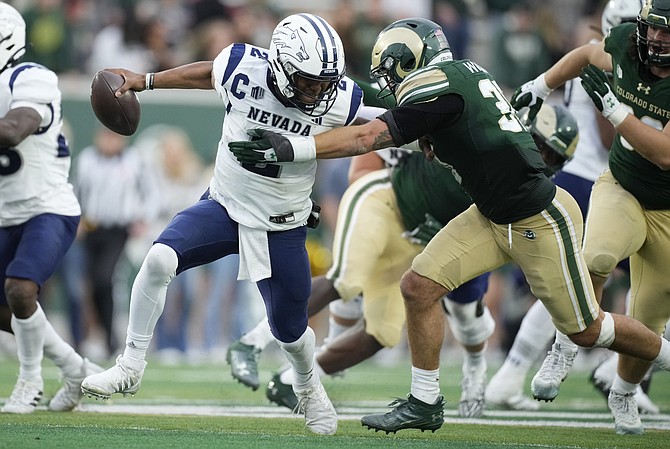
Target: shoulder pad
{"points": [[422, 85]]}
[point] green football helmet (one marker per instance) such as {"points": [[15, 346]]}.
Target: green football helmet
{"points": [[555, 132], [403, 47], [656, 14]]}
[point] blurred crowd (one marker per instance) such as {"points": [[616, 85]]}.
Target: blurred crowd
{"points": [[514, 39]]}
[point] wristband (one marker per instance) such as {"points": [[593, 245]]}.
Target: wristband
{"points": [[149, 81], [304, 149], [543, 90], [618, 115]]}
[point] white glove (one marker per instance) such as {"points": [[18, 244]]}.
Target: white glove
{"points": [[531, 95]]}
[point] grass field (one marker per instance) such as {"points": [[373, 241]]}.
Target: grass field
{"points": [[202, 407]]}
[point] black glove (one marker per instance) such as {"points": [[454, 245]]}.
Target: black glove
{"points": [[314, 216], [265, 146], [423, 233]]}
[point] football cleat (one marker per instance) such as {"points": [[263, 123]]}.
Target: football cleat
{"points": [[281, 394], [603, 376], [409, 413], [25, 397], [123, 378], [506, 392], [473, 386], [243, 361], [554, 370], [320, 415], [70, 394], [624, 410]]}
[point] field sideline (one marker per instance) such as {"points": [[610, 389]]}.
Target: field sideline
{"points": [[202, 406]]}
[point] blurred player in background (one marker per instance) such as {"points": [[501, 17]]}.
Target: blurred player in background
{"points": [[630, 203], [505, 390], [39, 214]]}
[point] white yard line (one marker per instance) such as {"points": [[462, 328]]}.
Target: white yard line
{"points": [[494, 417]]}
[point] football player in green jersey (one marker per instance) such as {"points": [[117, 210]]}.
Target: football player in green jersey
{"points": [[630, 204], [518, 213]]}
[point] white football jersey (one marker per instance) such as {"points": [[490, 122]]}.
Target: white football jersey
{"points": [[590, 157], [34, 174], [273, 197]]}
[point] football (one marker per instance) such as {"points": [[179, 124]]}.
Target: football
{"points": [[120, 114]]}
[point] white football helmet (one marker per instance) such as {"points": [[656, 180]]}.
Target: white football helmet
{"points": [[619, 11], [306, 46], [12, 36]]}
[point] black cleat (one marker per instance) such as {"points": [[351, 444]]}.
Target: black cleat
{"points": [[281, 394], [409, 413], [243, 361]]}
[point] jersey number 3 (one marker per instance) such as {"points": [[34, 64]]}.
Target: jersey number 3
{"points": [[509, 120]]}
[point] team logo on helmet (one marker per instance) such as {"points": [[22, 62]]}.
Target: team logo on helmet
{"points": [[286, 38]]}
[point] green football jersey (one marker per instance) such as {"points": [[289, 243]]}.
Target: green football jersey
{"points": [[648, 98], [422, 186], [488, 146]]}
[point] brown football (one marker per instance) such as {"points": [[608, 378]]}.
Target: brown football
{"points": [[120, 114]]}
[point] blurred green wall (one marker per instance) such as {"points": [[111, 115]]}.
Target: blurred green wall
{"points": [[199, 113]]}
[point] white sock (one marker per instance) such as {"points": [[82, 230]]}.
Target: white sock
{"points": [[260, 336], [147, 299], [286, 377], [621, 386], [300, 355], [29, 334], [474, 360], [335, 328], [62, 354], [425, 385], [535, 335], [565, 345]]}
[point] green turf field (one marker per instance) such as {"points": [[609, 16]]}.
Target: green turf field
{"points": [[202, 407]]}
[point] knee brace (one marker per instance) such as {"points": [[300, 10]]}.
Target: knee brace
{"points": [[349, 310], [606, 336], [160, 263], [471, 323]]}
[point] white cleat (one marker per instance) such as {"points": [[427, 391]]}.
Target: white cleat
{"points": [[320, 415], [505, 391], [125, 378], [473, 385], [624, 410], [602, 378], [70, 394], [556, 366], [25, 397]]}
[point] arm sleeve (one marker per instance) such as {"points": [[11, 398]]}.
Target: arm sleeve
{"points": [[409, 122]]}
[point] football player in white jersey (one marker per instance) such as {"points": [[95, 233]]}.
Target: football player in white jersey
{"points": [[39, 214], [260, 211], [505, 389]]}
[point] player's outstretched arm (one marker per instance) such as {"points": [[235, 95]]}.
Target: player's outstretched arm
{"points": [[197, 75]]}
